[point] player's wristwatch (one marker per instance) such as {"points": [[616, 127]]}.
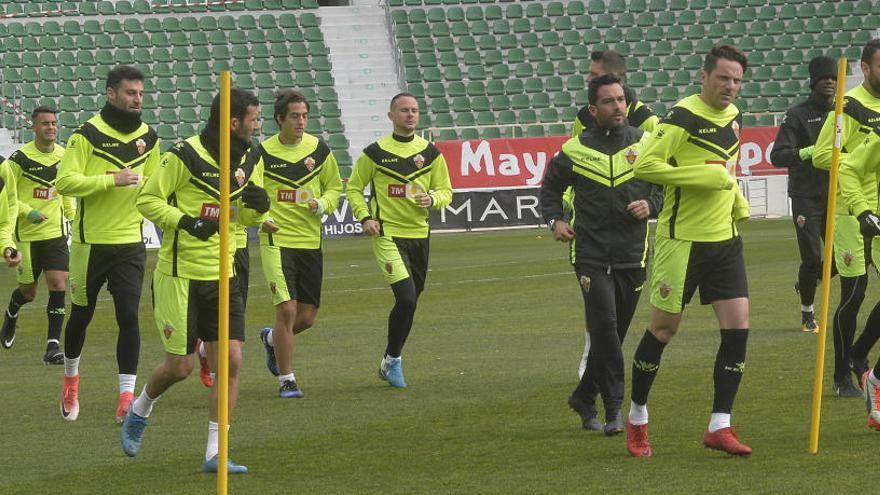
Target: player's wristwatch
{"points": [[551, 224]]}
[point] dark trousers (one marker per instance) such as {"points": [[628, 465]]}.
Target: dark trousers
{"points": [[610, 300], [809, 216]]}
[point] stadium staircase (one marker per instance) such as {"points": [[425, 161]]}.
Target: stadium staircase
{"points": [[364, 68]]}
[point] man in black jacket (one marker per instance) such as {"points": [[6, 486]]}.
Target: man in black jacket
{"points": [[807, 186], [608, 243]]}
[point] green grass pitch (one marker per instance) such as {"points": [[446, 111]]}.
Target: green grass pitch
{"points": [[490, 363]]}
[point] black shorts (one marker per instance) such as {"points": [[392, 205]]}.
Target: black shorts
{"points": [[414, 254], [718, 269], [40, 256], [680, 267], [121, 266], [293, 274], [193, 307]]}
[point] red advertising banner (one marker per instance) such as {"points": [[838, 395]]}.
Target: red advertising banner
{"points": [[520, 162]]}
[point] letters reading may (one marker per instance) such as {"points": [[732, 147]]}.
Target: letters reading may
{"points": [[482, 160]]}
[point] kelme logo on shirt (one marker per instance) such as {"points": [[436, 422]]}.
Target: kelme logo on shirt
{"points": [[210, 211], [396, 190], [310, 163], [141, 146]]}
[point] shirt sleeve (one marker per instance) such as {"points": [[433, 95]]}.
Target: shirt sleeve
{"points": [[853, 168], [557, 180], [331, 184], [785, 149], [652, 164], [825, 142], [68, 205], [363, 172], [152, 200], [7, 214], [441, 187], [655, 200], [72, 180]]}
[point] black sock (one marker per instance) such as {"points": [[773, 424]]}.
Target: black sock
{"points": [[730, 363], [646, 362], [75, 331], [55, 313], [15, 303], [869, 335], [401, 318], [128, 343]]}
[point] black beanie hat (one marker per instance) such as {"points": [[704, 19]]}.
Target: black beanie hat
{"points": [[820, 68]]}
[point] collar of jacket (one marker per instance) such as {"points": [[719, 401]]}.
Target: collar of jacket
{"points": [[820, 102], [210, 139], [122, 121]]}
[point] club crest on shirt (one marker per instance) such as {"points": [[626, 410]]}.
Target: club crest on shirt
{"points": [[585, 283], [847, 258], [240, 176], [419, 160], [273, 287], [141, 146], [665, 289], [631, 155], [801, 221], [389, 267], [310, 163], [168, 330], [735, 127]]}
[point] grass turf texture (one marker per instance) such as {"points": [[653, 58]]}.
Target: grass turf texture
{"points": [[490, 363]]}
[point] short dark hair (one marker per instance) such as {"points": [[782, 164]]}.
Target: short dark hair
{"points": [[612, 61], [595, 84], [42, 109], [401, 95], [123, 72], [239, 101], [870, 49], [728, 52], [284, 98]]}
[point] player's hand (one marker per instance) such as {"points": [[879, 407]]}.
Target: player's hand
{"points": [[12, 256], [126, 177], [255, 198], [34, 216], [562, 231], [269, 227], [424, 200], [200, 228], [869, 224], [371, 227], [639, 209]]}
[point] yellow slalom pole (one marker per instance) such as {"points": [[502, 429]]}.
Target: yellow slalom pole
{"points": [[223, 319], [826, 261]]}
